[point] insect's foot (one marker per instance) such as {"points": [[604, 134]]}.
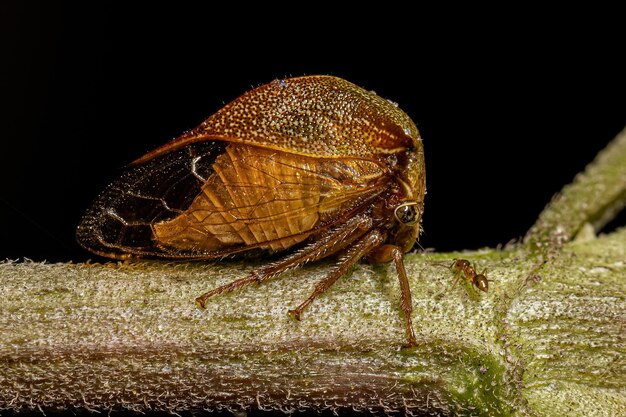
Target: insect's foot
{"points": [[295, 314], [439, 295], [410, 344], [201, 302], [411, 340]]}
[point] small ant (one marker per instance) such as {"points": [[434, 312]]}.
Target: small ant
{"points": [[462, 267]]}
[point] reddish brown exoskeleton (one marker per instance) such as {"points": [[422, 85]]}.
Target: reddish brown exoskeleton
{"points": [[311, 166], [463, 268]]}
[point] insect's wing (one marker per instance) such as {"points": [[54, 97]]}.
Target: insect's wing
{"points": [[211, 199], [119, 222]]}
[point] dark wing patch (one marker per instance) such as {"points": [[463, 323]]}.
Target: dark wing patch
{"points": [[118, 224]]}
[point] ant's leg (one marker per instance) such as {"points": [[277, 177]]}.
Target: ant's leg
{"points": [[457, 275]]}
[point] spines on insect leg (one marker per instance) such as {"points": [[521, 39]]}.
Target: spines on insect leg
{"points": [[336, 240], [352, 255], [405, 289], [386, 253]]}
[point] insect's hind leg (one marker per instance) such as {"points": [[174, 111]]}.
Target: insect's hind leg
{"points": [[242, 282], [361, 248], [335, 241]]}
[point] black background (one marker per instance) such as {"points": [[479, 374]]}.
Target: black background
{"points": [[511, 104]]}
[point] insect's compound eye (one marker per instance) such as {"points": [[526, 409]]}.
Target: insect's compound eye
{"points": [[407, 214]]}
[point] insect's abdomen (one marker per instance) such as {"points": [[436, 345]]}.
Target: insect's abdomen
{"points": [[253, 196]]}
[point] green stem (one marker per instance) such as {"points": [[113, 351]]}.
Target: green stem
{"points": [[595, 197]]}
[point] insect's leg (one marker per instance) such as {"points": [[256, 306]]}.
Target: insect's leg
{"points": [[457, 276], [338, 239], [391, 252], [471, 272], [407, 303], [361, 248], [231, 286]]}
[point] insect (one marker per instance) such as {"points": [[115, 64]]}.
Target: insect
{"points": [[462, 267], [306, 168]]}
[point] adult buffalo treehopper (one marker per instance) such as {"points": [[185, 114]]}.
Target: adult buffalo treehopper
{"points": [[310, 167]]}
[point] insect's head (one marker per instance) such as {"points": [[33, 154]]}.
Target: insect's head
{"points": [[460, 265], [407, 213]]}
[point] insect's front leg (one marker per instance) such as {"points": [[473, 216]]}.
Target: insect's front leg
{"points": [[393, 253]]}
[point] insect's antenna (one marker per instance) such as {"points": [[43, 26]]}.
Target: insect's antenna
{"points": [[418, 245], [441, 263], [457, 275], [442, 292], [456, 281]]}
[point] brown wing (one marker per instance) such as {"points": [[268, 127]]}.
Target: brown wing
{"points": [[320, 116], [213, 198], [262, 198]]}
